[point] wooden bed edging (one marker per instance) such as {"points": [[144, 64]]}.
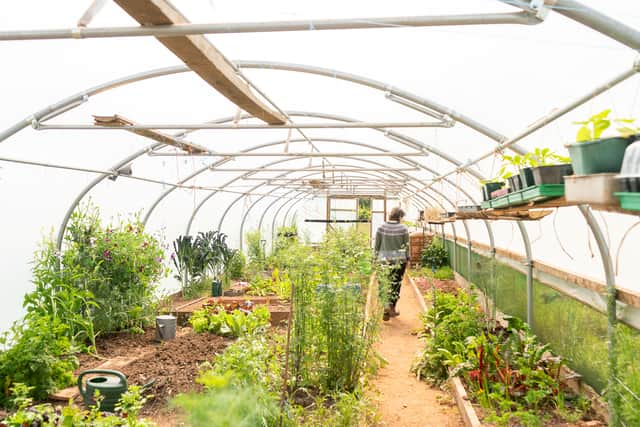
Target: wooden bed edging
{"points": [[467, 412], [572, 379]]}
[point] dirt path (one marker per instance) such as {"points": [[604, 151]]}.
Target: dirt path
{"points": [[402, 400]]}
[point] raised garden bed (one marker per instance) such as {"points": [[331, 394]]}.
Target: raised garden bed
{"points": [[472, 412], [278, 307]]}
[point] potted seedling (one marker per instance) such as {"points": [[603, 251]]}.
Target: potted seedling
{"points": [[591, 153], [510, 171], [490, 186], [547, 167]]}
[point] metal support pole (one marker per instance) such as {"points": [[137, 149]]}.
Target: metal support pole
{"points": [[273, 222], [522, 18], [494, 285], [250, 126], [529, 265], [544, 121], [454, 252], [468, 233], [96, 181], [612, 318], [246, 213], [595, 20]]}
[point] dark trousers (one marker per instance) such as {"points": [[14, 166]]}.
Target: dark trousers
{"points": [[395, 281]]}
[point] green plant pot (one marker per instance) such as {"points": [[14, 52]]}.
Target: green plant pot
{"points": [[216, 288], [598, 156]]}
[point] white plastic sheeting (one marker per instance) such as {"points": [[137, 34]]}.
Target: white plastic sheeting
{"points": [[505, 77]]}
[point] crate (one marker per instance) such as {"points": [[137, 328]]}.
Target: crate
{"points": [[596, 189], [417, 242]]}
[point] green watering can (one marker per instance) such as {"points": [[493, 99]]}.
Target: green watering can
{"points": [[111, 386]]}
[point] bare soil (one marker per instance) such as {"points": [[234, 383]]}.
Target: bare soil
{"points": [[172, 365], [424, 285], [402, 400]]}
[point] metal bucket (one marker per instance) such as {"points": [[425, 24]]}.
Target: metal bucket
{"points": [[165, 327]]}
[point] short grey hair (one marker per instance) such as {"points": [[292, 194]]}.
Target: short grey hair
{"points": [[396, 214]]}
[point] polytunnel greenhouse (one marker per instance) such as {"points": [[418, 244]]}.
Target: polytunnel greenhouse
{"points": [[331, 213]]}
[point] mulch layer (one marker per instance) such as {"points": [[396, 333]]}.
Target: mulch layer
{"points": [[172, 365]]}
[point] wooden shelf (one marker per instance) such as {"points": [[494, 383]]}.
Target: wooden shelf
{"points": [[535, 211]]}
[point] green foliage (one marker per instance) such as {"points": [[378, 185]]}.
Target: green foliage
{"points": [[329, 350], [364, 209], [252, 359], [511, 165], [435, 255], [278, 284], [628, 127], [237, 323], [225, 404], [593, 127], [544, 157], [506, 370], [255, 251], [206, 257], [236, 265], [45, 415], [39, 356], [61, 296], [119, 265], [448, 323], [443, 273]]}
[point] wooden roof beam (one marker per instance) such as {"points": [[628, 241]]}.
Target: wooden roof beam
{"points": [[199, 54], [119, 121]]}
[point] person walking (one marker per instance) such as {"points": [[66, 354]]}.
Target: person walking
{"points": [[392, 249]]}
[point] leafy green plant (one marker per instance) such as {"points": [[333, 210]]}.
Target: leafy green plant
{"points": [[119, 265], [45, 415], [594, 126], [443, 273], [506, 369], [435, 255], [544, 157], [237, 323], [39, 355], [207, 257], [511, 166], [185, 259], [628, 127], [255, 250], [225, 404], [236, 265]]}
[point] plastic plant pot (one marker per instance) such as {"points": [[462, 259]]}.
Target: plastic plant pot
{"points": [[489, 188], [526, 178], [598, 156], [555, 174], [629, 184], [216, 288], [515, 183]]}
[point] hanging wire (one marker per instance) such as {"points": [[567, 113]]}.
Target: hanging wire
{"points": [[624, 236], [606, 228], [555, 230], [539, 233]]}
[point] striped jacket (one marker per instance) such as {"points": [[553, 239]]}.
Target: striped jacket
{"points": [[392, 242]]}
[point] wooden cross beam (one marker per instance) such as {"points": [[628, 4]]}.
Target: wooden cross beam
{"points": [[199, 54], [119, 121]]}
